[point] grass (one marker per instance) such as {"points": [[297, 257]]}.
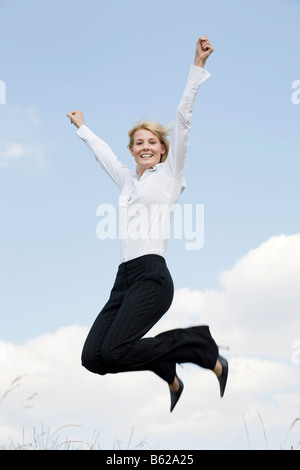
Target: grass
{"points": [[50, 440], [265, 434], [47, 439]]}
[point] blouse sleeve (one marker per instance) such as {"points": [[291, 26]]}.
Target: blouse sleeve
{"points": [[179, 142], [105, 156]]}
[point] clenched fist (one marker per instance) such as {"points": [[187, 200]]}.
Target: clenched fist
{"points": [[203, 51], [76, 118]]}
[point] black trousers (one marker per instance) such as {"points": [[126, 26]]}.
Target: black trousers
{"points": [[142, 293]]}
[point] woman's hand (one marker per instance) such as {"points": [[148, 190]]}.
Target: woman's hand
{"points": [[203, 51], [76, 118]]}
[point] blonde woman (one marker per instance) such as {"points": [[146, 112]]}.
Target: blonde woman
{"points": [[143, 288]]}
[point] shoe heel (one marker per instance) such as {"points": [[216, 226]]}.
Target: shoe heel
{"points": [[176, 395]]}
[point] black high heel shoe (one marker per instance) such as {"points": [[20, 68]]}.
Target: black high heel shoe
{"points": [[223, 377], [176, 395]]}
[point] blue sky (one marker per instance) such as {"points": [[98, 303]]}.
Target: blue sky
{"points": [[120, 61]]}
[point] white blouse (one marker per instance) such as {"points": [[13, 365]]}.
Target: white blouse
{"points": [[146, 204]]}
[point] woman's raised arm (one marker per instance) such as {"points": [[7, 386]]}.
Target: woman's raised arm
{"points": [[175, 161], [102, 152]]}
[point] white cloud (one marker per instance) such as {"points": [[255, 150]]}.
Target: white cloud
{"points": [[30, 156], [15, 150], [262, 397], [19, 150]]}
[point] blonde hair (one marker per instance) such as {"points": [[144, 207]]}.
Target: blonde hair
{"points": [[158, 129]]}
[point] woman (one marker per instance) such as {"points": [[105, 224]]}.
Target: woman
{"points": [[143, 288]]}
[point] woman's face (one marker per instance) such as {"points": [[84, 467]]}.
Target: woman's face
{"points": [[147, 150]]}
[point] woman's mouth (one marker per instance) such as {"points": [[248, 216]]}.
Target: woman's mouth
{"points": [[146, 155]]}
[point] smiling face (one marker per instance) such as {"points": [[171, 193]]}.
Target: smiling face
{"points": [[147, 150]]}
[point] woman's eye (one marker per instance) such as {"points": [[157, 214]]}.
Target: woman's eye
{"points": [[141, 143]]}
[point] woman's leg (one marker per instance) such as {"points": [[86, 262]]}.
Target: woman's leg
{"points": [[128, 315], [116, 342], [149, 296]]}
